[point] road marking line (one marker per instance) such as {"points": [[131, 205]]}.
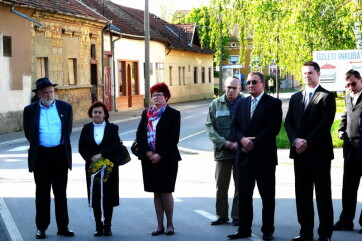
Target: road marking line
{"points": [[206, 214], [20, 148], [123, 133], [175, 199], [13, 155], [186, 137], [188, 117], [9, 222], [255, 238]]}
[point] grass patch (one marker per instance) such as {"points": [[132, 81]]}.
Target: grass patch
{"points": [[283, 141]]}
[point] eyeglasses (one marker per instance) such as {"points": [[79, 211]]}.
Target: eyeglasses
{"points": [[353, 84], [157, 95], [253, 82]]}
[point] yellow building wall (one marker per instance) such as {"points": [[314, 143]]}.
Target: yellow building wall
{"points": [[183, 90]]}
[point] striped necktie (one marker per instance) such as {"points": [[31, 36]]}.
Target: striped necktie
{"points": [[254, 102]]}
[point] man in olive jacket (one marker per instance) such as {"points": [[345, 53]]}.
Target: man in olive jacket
{"points": [[218, 124]]}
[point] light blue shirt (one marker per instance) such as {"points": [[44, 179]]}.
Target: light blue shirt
{"points": [[50, 126]]}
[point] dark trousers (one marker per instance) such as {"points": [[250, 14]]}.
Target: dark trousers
{"points": [[51, 171], [351, 180], [223, 171], [315, 173], [107, 206], [265, 179]]}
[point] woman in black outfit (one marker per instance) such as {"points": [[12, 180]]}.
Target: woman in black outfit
{"points": [[158, 134], [100, 138]]}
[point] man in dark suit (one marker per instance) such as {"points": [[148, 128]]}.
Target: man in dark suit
{"points": [[255, 125], [47, 126], [349, 132], [308, 123]]}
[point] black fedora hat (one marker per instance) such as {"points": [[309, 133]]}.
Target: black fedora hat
{"points": [[42, 83]]}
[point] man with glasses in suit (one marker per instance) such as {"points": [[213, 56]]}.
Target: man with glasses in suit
{"points": [[349, 132]]}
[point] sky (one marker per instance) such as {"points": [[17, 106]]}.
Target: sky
{"points": [[155, 5]]}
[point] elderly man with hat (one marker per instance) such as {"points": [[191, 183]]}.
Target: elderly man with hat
{"points": [[47, 126]]}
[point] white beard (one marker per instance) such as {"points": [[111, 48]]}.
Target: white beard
{"points": [[47, 102]]}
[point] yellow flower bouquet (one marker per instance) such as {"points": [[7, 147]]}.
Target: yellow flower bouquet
{"points": [[97, 166]]}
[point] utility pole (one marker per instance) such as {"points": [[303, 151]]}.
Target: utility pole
{"points": [[220, 63], [147, 55]]}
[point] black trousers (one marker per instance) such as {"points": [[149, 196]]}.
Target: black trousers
{"points": [[317, 174], [51, 171], [107, 206], [351, 179], [264, 177]]}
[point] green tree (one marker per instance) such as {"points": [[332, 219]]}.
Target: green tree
{"points": [[288, 31]]}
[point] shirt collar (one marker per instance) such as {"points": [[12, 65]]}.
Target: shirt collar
{"points": [[309, 90], [258, 97], [43, 106]]}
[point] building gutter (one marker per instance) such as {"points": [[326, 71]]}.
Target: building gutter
{"points": [[26, 17]]}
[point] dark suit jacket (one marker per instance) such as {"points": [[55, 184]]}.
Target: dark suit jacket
{"points": [[264, 126], [167, 135], [109, 147], [350, 125], [31, 118], [313, 124]]}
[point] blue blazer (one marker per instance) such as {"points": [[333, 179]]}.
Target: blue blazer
{"points": [[31, 116]]}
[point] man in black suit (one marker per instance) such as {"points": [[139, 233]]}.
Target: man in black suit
{"points": [[255, 125], [47, 126], [349, 132], [308, 123]]}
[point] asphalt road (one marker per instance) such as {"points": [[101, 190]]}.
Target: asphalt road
{"points": [[135, 218]]}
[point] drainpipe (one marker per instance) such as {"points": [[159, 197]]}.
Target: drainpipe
{"points": [[114, 75], [26, 17]]}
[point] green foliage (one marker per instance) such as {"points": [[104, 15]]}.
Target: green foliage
{"points": [[283, 141], [216, 91], [287, 31]]}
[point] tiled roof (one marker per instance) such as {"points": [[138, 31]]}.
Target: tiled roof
{"points": [[130, 21], [69, 7]]}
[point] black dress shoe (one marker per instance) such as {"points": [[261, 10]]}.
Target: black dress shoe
{"points": [[324, 239], [220, 221], [268, 236], [66, 232], [107, 231], [235, 222], [170, 232], [158, 232], [338, 226], [302, 238], [40, 234], [238, 235]]}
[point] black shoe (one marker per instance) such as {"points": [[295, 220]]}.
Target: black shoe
{"points": [[107, 231], [66, 232], [339, 226], [302, 238], [158, 232], [268, 236], [220, 221], [360, 231], [235, 222], [324, 239], [40, 234], [170, 232], [99, 229], [238, 235]]}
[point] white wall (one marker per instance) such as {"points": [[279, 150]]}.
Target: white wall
{"points": [[129, 49]]}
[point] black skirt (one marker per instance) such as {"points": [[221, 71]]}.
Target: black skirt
{"points": [[159, 177]]}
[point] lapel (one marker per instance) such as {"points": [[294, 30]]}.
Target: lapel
{"points": [[313, 100], [357, 102], [37, 118], [259, 107], [248, 103], [60, 113]]}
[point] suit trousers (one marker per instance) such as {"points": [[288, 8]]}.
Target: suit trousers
{"points": [[223, 170], [317, 173], [51, 171], [351, 179], [264, 177]]}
